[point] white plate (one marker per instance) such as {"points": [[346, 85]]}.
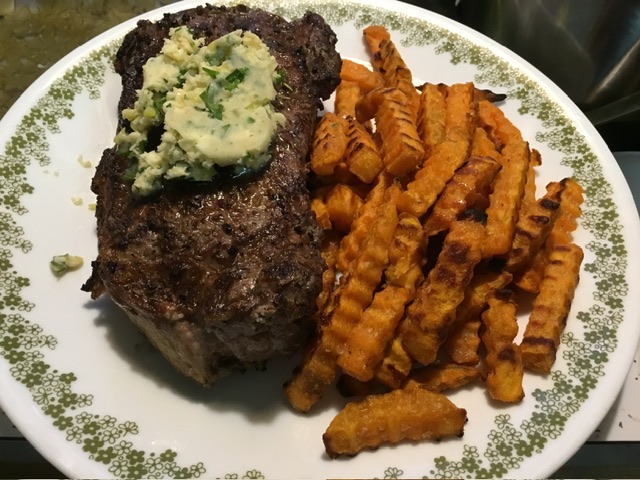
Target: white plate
{"points": [[93, 397]]}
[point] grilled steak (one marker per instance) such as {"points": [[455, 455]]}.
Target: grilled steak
{"points": [[220, 275]]}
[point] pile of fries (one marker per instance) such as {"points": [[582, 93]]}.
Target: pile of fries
{"points": [[428, 200]]}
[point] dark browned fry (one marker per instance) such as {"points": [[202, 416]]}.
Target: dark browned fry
{"points": [[470, 179], [503, 361], [432, 312], [329, 144], [551, 308], [463, 340], [362, 155]]}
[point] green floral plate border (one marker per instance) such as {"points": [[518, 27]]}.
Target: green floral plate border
{"points": [[79, 434]]}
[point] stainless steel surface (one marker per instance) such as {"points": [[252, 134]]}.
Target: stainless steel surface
{"points": [[589, 48]]}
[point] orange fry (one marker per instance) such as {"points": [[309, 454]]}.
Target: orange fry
{"points": [[448, 156], [551, 308], [532, 229], [440, 377], [463, 340], [361, 226], [396, 74], [402, 149], [329, 144], [432, 116], [395, 366], [359, 74], [347, 95], [373, 36], [471, 178], [363, 274], [342, 204], [432, 313], [365, 347], [362, 155], [411, 414], [503, 360], [505, 200]]}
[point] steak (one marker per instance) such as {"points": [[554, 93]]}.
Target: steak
{"points": [[220, 275]]}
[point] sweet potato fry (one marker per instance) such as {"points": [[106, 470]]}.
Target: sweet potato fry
{"points": [[321, 212], [551, 308], [440, 377], [359, 74], [432, 312], [347, 95], [363, 274], [503, 361], [362, 156], [395, 366], [411, 414], [505, 200], [365, 346], [531, 231], [329, 144], [499, 127], [470, 179], [373, 36], [463, 340], [361, 226], [402, 149], [569, 193], [342, 204], [311, 379], [396, 74], [448, 156], [431, 116], [370, 102]]}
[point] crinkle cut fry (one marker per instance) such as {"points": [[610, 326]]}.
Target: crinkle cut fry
{"points": [[395, 366], [402, 149], [570, 195], [361, 226], [318, 369], [551, 308], [468, 180], [403, 414], [431, 314], [448, 156], [362, 156], [396, 74], [363, 274], [359, 74], [503, 360], [432, 116], [329, 144], [532, 229], [373, 36], [505, 199], [366, 345], [440, 377], [342, 203], [463, 340], [347, 95]]}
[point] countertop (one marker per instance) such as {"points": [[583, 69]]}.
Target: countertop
{"points": [[614, 448]]}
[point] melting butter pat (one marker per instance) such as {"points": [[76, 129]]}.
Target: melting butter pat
{"points": [[214, 104]]}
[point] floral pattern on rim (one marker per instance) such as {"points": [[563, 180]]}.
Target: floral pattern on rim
{"points": [[107, 440]]}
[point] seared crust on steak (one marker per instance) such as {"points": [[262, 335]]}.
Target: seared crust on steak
{"points": [[220, 275]]}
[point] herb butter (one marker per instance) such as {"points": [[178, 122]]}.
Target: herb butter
{"points": [[214, 103]]}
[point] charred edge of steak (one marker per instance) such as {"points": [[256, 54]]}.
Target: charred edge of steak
{"points": [[221, 275]]}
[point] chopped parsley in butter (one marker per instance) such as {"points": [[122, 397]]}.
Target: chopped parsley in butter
{"points": [[214, 103]]}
